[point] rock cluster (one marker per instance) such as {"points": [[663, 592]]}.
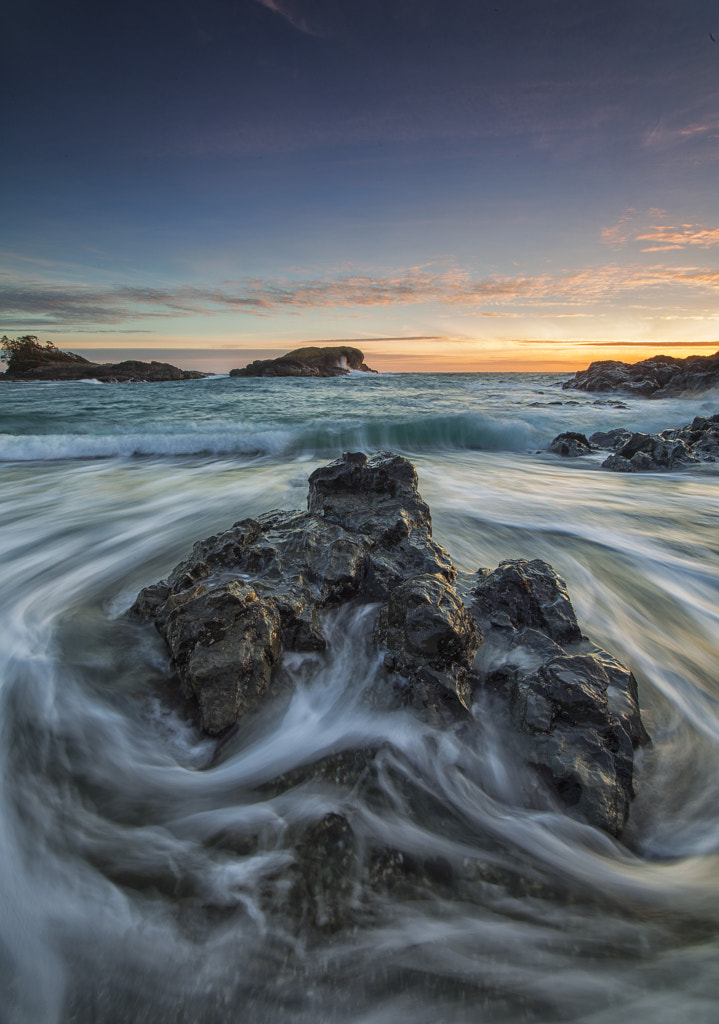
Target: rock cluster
{"points": [[127, 371], [244, 596], [330, 361], [657, 377], [635, 452]]}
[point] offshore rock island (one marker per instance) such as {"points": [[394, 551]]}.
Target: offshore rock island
{"points": [[28, 360], [329, 361], [506, 640], [657, 377]]}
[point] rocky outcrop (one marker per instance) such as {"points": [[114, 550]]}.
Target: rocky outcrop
{"points": [[330, 361], [244, 596], [572, 707], [658, 377], [635, 452], [108, 373]]}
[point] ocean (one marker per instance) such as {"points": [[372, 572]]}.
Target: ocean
{"points": [[144, 874]]}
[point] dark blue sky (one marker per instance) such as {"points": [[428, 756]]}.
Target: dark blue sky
{"points": [[518, 178]]}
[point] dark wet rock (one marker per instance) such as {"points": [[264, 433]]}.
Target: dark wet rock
{"points": [[431, 639], [636, 452], [570, 444], [646, 452], [520, 594], [264, 586], [367, 532], [656, 377], [224, 643], [329, 361], [611, 439], [378, 498], [572, 709]]}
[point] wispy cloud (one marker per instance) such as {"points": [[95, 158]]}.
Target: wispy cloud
{"points": [[664, 137], [291, 11], [563, 293], [651, 226], [678, 237]]}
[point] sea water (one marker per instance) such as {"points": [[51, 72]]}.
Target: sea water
{"points": [[144, 876]]}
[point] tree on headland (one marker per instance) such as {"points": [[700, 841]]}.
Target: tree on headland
{"points": [[27, 353]]}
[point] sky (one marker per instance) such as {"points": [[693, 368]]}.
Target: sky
{"points": [[445, 184]]}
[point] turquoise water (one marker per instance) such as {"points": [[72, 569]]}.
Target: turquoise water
{"points": [[145, 881]]}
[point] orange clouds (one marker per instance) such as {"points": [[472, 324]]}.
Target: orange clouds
{"points": [[679, 237], [665, 237], [563, 293]]}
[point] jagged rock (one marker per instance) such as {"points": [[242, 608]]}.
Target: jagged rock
{"points": [[224, 642], [245, 595], [572, 708], [656, 377], [367, 532], [642, 452], [611, 439], [570, 444], [520, 594], [636, 452], [432, 640]]}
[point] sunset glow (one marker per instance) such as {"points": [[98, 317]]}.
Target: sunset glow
{"points": [[531, 186]]}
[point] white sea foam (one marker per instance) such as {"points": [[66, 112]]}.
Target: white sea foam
{"points": [[152, 875]]}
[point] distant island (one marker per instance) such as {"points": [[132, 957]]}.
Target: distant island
{"points": [[29, 360], [331, 361], [657, 377]]}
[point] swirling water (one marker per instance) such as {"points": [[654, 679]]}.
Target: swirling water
{"points": [[147, 877]]}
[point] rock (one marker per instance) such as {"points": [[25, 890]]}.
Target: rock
{"points": [[520, 594], [570, 445], [367, 532], [330, 361], [656, 377], [321, 894], [128, 371], [572, 709], [244, 596], [643, 452], [224, 643], [637, 452], [611, 439], [432, 640]]}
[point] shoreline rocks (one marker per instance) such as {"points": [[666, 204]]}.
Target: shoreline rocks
{"points": [[636, 452], [243, 597], [657, 377], [329, 361]]}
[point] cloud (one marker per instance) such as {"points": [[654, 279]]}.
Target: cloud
{"points": [[633, 227], [562, 293], [678, 237], [662, 137], [619, 234], [290, 11], [620, 344]]}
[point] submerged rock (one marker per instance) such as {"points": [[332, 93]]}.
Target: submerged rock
{"points": [[246, 595]]}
